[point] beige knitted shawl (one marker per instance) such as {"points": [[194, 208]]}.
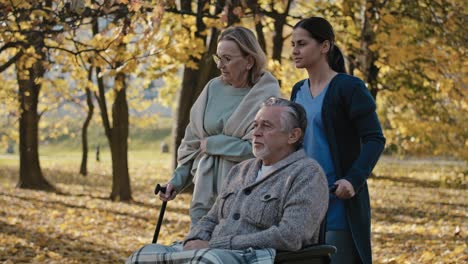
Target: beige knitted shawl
{"points": [[239, 125]]}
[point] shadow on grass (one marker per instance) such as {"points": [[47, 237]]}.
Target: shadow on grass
{"points": [[65, 245], [57, 176], [419, 182], [52, 205], [404, 237], [157, 205], [393, 215]]}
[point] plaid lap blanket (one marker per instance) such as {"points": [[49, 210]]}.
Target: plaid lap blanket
{"points": [[154, 253]]}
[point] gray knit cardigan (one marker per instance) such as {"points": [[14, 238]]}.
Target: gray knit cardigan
{"points": [[282, 211]]}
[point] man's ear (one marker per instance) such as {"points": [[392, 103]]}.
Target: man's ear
{"points": [[295, 135]]}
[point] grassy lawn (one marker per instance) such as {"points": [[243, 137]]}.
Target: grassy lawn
{"points": [[419, 210]]}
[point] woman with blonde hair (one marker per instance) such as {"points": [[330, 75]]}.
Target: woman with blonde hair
{"points": [[219, 132]]}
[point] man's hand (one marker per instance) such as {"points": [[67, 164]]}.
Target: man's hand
{"points": [[170, 193], [345, 189], [196, 244]]}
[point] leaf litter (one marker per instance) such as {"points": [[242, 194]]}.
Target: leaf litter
{"points": [[416, 218]]}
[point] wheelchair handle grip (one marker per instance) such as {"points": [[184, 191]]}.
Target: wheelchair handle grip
{"points": [[333, 188]]}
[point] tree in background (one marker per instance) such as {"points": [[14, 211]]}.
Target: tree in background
{"points": [[201, 68], [268, 18], [129, 48], [25, 30], [36, 32], [124, 36], [408, 52]]}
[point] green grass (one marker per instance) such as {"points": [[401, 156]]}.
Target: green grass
{"points": [[9, 159], [146, 138], [65, 152]]}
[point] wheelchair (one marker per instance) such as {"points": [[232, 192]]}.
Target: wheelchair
{"points": [[319, 253]]}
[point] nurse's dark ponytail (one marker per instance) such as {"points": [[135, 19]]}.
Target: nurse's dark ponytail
{"points": [[336, 60], [320, 29]]}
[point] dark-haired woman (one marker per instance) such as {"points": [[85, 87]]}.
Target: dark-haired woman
{"points": [[343, 134]]}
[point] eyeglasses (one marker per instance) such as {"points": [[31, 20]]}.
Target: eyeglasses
{"points": [[224, 59]]}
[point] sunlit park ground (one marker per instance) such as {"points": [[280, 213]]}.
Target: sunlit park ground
{"points": [[419, 210]]}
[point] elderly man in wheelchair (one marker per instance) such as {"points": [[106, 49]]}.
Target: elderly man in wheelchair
{"points": [[271, 207]]}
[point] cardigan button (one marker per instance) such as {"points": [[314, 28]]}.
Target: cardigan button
{"points": [[236, 216], [247, 191]]}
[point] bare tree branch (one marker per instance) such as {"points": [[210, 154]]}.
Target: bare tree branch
{"points": [[10, 61], [189, 13], [11, 45]]}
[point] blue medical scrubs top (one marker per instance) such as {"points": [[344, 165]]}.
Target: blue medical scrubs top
{"points": [[316, 146]]}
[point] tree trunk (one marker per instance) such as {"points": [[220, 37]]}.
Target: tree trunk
{"points": [[231, 5], [30, 170], [369, 57], [261, 36], [117, 134], [256, 10], [278, 41], [84, 130], [192, 84], [193, 81], [352, 64], [101, 95], [278, 38], [119, 145]]}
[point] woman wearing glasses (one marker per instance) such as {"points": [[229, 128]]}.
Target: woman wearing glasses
{"points": [[218, 135]]}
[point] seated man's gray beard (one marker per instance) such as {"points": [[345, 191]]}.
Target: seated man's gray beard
{"points": [[261, 154]]}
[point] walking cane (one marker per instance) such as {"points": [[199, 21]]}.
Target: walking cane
{"points": [[158, 189]]}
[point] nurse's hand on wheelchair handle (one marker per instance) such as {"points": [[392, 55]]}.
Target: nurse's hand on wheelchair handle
{"points": [[344, 189]]}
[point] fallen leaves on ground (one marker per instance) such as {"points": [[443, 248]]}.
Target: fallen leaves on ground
{"points": [[416, 218]]}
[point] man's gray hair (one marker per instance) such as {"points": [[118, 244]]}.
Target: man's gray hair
{"points": [[293, 116]]}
